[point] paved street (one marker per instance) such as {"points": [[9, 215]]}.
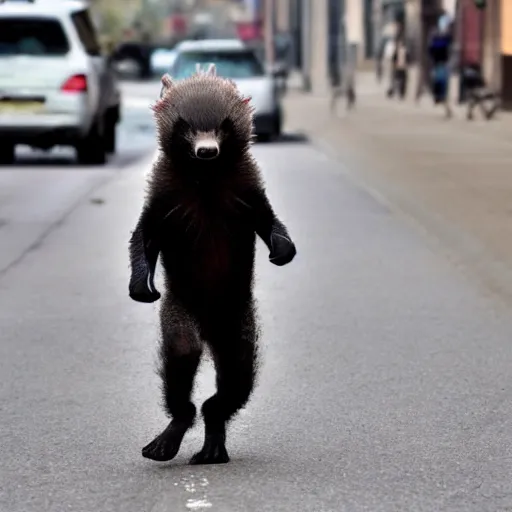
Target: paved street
{"points": [[39, 191], [385, 383]]}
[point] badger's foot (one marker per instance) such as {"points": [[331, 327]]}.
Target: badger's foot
{"points": [[213, 452], [167, 445]]}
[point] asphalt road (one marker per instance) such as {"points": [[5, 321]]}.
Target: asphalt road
{"points": [[43, 187], [385, 383]]}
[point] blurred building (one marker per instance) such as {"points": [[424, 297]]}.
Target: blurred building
{"points": [[496, 47], [328, 34], [484, 37]]}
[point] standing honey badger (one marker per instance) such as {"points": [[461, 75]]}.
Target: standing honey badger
{"points": [[205, 204]]}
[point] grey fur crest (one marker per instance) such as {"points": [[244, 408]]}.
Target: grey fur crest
{"points": [[210, 70], [168, 82]]}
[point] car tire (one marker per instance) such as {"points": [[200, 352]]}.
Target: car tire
{"points": [[264, 137], [110, 134], [7, 154], [277, 127], [91, 149]]}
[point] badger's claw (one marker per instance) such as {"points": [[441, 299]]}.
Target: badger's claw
{"points": [[283, 250], [140, 292]]}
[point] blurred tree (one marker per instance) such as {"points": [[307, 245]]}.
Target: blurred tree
{"points": [[116, 16], [112, 24]]}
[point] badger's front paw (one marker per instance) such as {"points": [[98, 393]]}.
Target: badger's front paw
{"points": [[140, 292], [283, 250]]}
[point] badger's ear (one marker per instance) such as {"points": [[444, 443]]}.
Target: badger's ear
{"points": [[167, 81]]}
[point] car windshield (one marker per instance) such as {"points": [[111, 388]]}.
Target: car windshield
{"points": [[235, 65], [32, 36]]}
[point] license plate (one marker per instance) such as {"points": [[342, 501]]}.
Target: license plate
{"points": [[20, 107]]}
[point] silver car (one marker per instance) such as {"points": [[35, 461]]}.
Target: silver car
{"points": [[234, 60], [56, 86]]}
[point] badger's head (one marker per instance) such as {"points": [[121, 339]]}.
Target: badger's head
{"points": [[203, 120]]}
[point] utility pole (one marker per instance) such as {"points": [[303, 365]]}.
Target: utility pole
{"points": [[268, 31], [306, 44], [343, 50]]}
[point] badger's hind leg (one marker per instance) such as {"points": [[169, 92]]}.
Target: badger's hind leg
{"points": [[180, 354], [234, 348]]}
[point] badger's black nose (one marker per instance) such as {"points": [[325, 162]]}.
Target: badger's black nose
{"points": [[207, 152]]}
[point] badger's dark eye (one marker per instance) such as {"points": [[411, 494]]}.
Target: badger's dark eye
{"points": [[226, 126], [181, 126]]}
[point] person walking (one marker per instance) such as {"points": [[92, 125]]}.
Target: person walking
{"points": [[400, 60], [439, 51]]}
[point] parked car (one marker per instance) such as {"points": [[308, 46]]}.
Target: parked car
{"points": [[56, 85], [133, 60], [161, 60], [234, 60]]}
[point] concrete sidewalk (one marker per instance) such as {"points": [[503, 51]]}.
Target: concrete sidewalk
{"points": [[453, 177]]}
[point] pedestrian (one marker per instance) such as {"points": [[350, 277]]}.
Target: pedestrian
{"points": [[439, 51], [385, 53], [389, 52], [478, 93], [343, 84], [400, 63]]}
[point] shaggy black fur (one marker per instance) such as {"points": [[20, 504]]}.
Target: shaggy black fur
{"points": [[202, 217]]}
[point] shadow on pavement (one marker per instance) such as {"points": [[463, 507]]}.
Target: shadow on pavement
{"points": [[288, 138], [38, 160], [69, 161]]}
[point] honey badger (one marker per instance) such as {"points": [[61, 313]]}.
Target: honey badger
{"points": [[205, 204]]}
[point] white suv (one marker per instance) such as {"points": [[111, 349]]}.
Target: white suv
{"points": [[56, 87]]}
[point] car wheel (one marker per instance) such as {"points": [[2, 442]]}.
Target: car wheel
{"points": [[265, 137], [110, 135], [91, 149], [277, 127], [7, 154]]}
